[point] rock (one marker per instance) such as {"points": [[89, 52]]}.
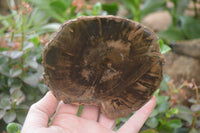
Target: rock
{"points": [[184, 61], [158, 21]]}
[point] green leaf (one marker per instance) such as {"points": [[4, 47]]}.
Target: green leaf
{"points": [[32, 80], [43, 88], [163, 107], [111, 8], [21, 115], [5, 102], [149, 131], [191, 27], [96, 9], [35, 40], [152, 122], [181, 130], [28, 45], [184, 113], [32, 62], [13, 128], [164, 48], [181, 6], [17, 96], [118, 121], [154, 113], [15, 72], [172, 34], [151, 6], [4, 69], [52, 27], [58, 7], [13, 54], [16, 54], [156, 93], [9, 116], [195, 107], [174, 110], [2, 113], [80, 110], [162, 99], [3, 59], [164, 83], [184, 109], [175, 123], [193, 130]]}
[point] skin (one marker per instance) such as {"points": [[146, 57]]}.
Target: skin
{"points": [[66, 121]]}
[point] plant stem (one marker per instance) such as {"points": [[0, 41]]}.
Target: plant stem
{"points": [[22, 33], [137, 10], [194, 121], [195, 8], [174, 19], [197, 94], [22, 43]]}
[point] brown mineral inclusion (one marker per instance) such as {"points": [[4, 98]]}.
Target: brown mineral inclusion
{"points": [[108, 61]]}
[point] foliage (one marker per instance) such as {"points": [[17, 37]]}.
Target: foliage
{"points": [[62, 10], [21, 81], [27, 27], [168, 116], [139, 12], [20, 69], [183, 27]]}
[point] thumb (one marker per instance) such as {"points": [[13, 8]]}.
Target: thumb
{"points": [[40, 112]]}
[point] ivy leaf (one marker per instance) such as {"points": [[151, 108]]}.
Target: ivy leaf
{"points": [[9, 116]]}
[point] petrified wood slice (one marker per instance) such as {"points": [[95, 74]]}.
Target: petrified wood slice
{"points": [[108, 61]]}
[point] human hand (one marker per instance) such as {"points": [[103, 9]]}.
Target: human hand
{"points": [[66, 121]]}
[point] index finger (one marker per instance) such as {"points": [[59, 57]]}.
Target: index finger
{"points": [[136, 121]]}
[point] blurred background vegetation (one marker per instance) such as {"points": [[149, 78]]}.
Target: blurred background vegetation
{"points": [[27, 25]]}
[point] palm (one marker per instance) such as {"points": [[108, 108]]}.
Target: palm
{"points": [[66, 121]]}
